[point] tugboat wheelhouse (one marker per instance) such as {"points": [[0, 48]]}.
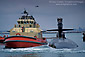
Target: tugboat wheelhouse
{"points": [[27, 26]]}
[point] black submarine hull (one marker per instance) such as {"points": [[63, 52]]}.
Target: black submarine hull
{"points": [[60, 43]]}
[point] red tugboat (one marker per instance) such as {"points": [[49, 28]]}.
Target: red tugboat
{"points": [[1, 39], [25, 34], [23, 42]]}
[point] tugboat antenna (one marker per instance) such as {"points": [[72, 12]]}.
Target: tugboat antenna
{"points": [[25, 12]]}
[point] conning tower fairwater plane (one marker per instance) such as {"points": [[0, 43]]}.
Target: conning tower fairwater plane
{"points": [[60, 41]]}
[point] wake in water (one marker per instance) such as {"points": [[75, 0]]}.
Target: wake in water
{"points": [[31, 49], [43, 49]]}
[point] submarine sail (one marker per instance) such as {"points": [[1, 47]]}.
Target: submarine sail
{"points": [[60, 41]]}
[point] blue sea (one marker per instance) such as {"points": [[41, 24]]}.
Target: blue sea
{"points": [[45, 50]]}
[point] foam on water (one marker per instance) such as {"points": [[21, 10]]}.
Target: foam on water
{"points": [[67, 51], [31, 49], [43, 49]]}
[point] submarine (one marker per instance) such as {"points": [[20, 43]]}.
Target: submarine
{"points": [[60, 41]]}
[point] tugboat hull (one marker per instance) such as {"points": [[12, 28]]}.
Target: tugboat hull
{"points": [[23, 42]]}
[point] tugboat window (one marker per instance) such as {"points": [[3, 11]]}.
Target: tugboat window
{"points": [[19, 26], [26, 17], [27, 21], [18, 22], [30, 25], [23, 17], [21, 22], [24, 22], [32, 22]]}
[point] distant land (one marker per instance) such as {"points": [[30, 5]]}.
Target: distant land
{"points": [[78, 30]]}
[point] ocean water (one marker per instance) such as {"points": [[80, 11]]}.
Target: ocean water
{"points": [[45, 50]]}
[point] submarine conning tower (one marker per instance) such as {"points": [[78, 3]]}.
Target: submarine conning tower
{"points": [[60, 29], [60, 25]]}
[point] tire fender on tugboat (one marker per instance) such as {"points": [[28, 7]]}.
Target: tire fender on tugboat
{"points": [[18, 34]]}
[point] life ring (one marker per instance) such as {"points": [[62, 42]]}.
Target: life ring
{"points": [[18, 34]]}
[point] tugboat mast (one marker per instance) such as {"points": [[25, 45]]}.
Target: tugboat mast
{"points": [[25, 12]]}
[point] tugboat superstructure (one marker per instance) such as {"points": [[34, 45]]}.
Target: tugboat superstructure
{"points": [[27, 26]]}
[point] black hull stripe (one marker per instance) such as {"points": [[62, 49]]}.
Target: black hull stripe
{"points": [[20, 36], [25, 41]]}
